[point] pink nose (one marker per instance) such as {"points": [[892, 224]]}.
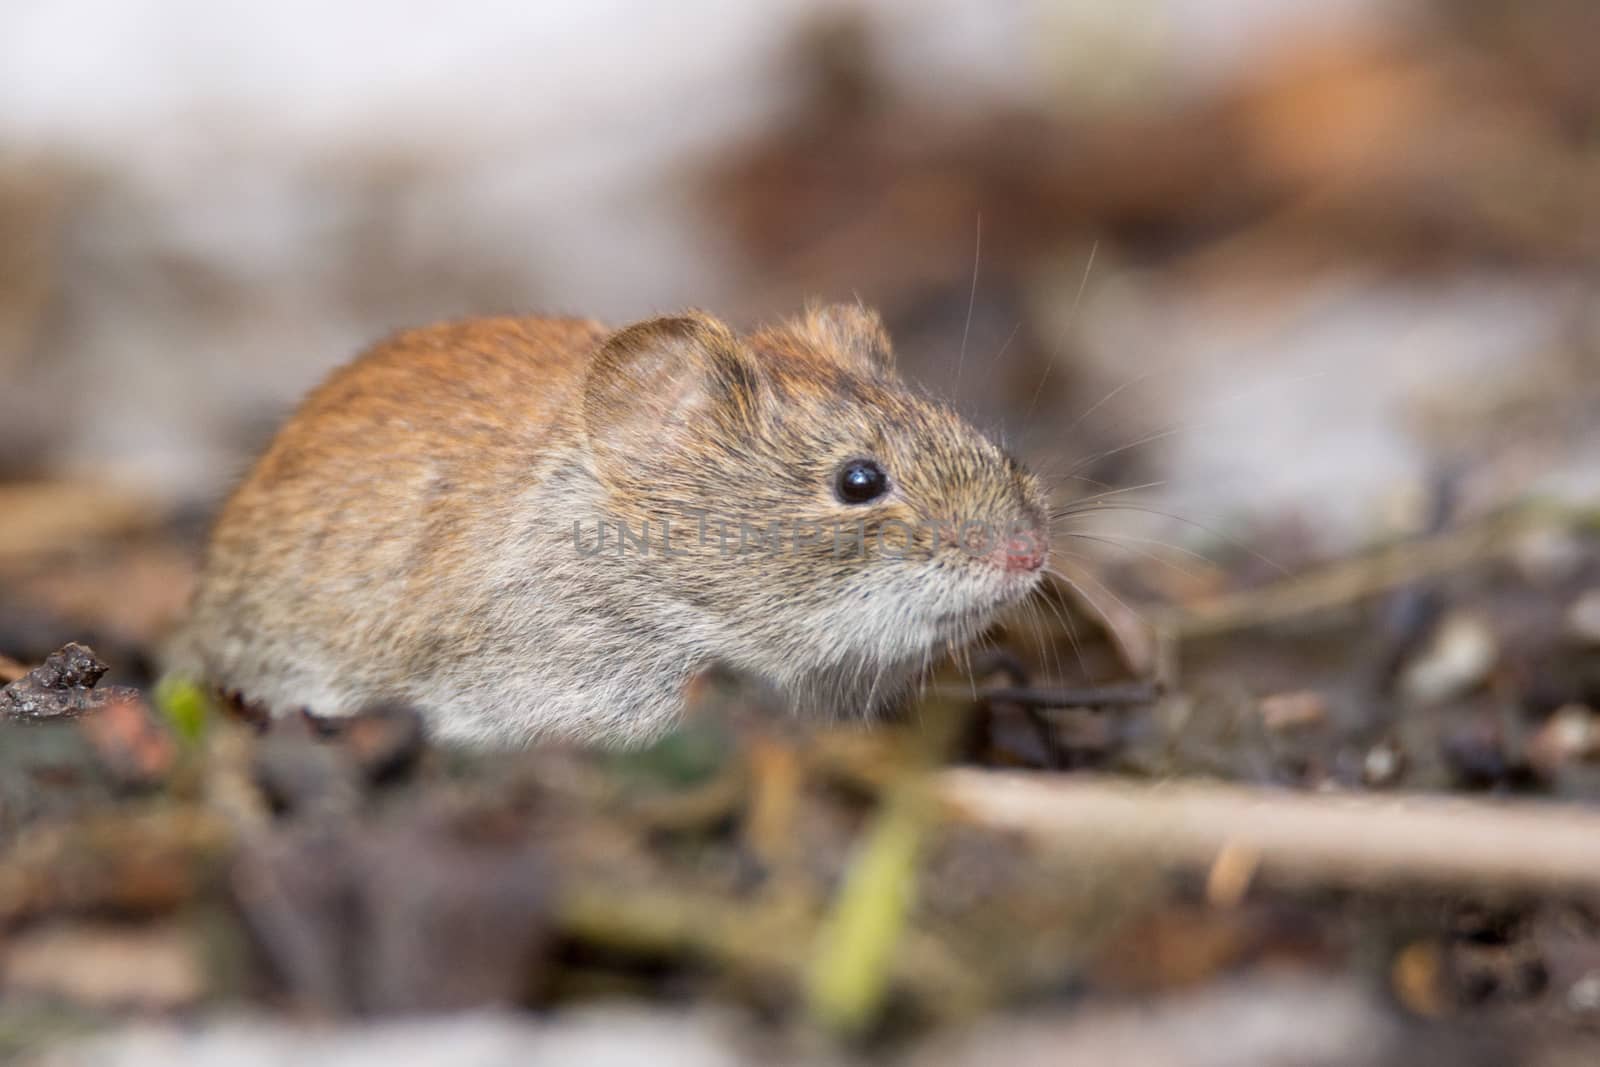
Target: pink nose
{"points": [[1023, 552]]}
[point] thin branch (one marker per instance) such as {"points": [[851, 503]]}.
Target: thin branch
{"points": [[1321, 839]]}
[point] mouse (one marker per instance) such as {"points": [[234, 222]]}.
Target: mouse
{"points": [[539, 528]]}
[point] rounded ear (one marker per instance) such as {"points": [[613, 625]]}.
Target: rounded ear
{"points": [[852, 333], [653, 383]]}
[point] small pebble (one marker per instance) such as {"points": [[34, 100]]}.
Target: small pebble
{"points": [[1293, 710], [1584, 994], [1458, 659], [1382, 765], [1417, 976], [1547, 555], [1583, 618], [1569, 735]]}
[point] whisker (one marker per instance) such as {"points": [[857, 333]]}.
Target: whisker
{"points": [[1103, 401], [1065, 618], [1140, 552], [1046, 646], [1047, 475], [1127, 540], [1150, 438], [1111, 628], [1012, 336], [1072, 316], [1086, 504], [972, 302], [1201, 424], [1213, 531]]}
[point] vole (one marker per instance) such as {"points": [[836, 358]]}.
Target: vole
{"points": [[542, 527]]}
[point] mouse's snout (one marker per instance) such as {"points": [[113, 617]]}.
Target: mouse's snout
{"points": [[1022, 547], [1023, 550], [1018, 547]]}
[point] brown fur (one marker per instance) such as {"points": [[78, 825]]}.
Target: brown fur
{"points": [[410, 532]]}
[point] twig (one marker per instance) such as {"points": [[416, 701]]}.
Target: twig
{"points": [[1322, 839], [1351, 580], [1129, 694]]}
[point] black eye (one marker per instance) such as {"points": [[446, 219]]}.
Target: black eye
{"points": [[861, 481]]}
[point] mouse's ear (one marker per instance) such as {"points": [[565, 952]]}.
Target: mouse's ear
{"points": [[851, 332], [653, 383]]}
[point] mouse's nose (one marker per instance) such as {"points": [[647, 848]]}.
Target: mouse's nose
{"points": [[1021, 548], [1023, 551]]}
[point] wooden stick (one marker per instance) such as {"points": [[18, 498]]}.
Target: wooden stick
{"points": [[1346, 840], [1351, 580]]}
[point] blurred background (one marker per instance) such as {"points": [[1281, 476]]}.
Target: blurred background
{"points": [[1302, 262]]}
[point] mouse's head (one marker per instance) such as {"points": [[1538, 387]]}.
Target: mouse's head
{"points": [[817, 505]]}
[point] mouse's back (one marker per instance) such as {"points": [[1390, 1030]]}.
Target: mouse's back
{"points": [[353, 517]]}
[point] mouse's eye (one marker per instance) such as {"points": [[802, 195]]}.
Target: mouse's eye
{"points": [[861, 481]]}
